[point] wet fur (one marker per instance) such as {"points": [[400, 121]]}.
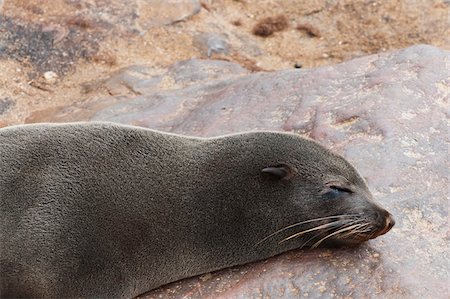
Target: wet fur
{"points": [[107, 211]]}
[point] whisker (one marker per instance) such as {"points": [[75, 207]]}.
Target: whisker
{"points": [[315, 236], [371, 235], [355, 232], [335, 233], [326, 231], [303, 222], [365, 227], [361, 229], [326, 225]]}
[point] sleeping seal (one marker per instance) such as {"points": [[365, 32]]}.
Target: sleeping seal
{"points": [[104, 210]]}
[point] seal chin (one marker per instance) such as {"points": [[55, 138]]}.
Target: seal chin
{"points": [[344, 242], [356, 239]]}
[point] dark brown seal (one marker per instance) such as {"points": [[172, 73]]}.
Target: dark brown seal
{"points": [[107, 211]]}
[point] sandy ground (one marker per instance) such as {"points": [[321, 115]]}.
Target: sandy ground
{"points": [[84, 48]]}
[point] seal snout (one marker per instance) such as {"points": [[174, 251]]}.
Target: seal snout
{"points": [[389, 222]]}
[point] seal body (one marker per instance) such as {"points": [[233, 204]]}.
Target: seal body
{"points": [[110, 211]]}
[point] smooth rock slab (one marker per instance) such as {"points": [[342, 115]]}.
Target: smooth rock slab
{"points": [[387, 113]]}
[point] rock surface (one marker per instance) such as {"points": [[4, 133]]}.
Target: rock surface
{"points": [[387, 113]]}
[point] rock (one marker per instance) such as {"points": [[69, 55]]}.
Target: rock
{"points": [[197, 71], [135, 79], [5, 104], [387, 113], [50, 77], [210, 43]]}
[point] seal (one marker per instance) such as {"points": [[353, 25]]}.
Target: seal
{"points": [[104, 210]]}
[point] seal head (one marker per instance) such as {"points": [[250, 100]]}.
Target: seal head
{"points": [[316, 196]]}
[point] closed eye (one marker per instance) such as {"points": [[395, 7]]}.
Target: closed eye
{"points": [[335, 192], [341, 189]]}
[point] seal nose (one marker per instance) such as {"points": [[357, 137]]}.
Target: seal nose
{"points": [[387, 222], [390, 222]]}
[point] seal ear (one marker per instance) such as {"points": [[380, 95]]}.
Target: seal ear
{"points": [[279, 171]]}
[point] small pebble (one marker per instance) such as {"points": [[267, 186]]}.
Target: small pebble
{"points": [[206, 277], [50, 77]]}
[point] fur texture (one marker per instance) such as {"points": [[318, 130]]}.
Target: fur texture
{"points": [[110, 211]]}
